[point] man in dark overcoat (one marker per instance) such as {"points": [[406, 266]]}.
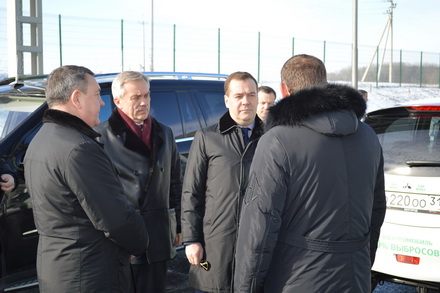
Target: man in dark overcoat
{"points": [[215, 181]]}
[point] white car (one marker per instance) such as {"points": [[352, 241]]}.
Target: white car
{"points": [[409, 244]]}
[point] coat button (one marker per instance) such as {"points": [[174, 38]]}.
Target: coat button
{"points": [[161, 169], [136, 173]]}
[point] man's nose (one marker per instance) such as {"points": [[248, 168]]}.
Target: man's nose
{"points": [[246, 100]]}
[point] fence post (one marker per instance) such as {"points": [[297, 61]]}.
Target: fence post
{"points": [[174, 48], [325, 47], [61, 44], [259, 56], [377, 66], [293, 46], [421, 68], [400, 71], [218, 50], [122, 45]]}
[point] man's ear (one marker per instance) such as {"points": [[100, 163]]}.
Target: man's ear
{"points": [[284, 90], [226, 101], [117, 101], [75, 99]]}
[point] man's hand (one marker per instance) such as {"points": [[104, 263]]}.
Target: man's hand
{"points": [[7, 183], [194, 253], [178, 240]]}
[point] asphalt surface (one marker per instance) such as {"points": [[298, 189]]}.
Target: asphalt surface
{"points": [[177, 280]]}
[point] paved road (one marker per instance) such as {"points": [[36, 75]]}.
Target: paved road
{"points": [[178, 278]]}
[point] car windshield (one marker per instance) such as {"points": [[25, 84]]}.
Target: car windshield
{"points": [[409, 141], [13, 110]]}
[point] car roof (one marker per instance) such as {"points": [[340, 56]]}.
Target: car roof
{"points": [[35, 85]]}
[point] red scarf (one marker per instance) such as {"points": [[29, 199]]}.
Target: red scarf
{"points": [[142, 131]]}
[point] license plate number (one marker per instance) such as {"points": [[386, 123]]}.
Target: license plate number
{"points": [[413, 202]]}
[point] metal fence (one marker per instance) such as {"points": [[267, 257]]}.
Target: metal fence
{"points": [[106, 45]]}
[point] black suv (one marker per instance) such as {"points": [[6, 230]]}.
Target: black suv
{"points": [[186, 102]]}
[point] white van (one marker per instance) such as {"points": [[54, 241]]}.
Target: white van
{"points": [[409, 244]]}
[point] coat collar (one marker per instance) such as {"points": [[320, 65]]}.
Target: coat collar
{"points": [[69, 120], [131, 140], [226, 123], [299, 107]]}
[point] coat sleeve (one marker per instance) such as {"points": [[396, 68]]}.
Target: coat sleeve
{"points": [[193, 191], [176, 183], [261, 214], [379, 209], [91, 176], [4, 169]]}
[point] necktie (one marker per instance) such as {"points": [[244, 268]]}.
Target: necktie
{"points": [[245, 134]]}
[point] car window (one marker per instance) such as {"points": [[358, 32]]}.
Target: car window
{"points": [[165, 109], [14, 109], [412, 138], [190, 120], [212, 104], [106, 110]]}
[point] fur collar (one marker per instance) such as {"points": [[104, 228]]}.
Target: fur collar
{"points": [[297, 108], [69, 120]]}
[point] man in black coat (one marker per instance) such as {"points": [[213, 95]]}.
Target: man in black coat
{"points": [[315, 201], [146, 156], [215, 180]]}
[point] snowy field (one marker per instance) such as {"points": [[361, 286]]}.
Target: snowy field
{"points": [[386, 94], [390, 94]]}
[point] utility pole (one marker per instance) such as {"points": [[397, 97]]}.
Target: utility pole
{"points": [[390, 12], [389, 30], [152, 37], [354, 65], [143, 43]]}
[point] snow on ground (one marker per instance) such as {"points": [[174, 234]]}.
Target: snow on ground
{"points": [[391, 94], [386, 94]]}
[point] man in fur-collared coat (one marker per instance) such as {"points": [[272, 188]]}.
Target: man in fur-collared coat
{"points": [[315, 201]]}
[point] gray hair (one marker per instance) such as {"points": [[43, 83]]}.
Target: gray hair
{"points": [[118, 83], [63, 81]]}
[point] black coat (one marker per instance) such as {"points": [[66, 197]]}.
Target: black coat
{"points": [[215, 181], [316, 201], [5, 169], [87, 229], [151, 179]]}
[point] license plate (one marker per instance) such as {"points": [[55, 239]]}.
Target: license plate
{"points": [[421, 203]]}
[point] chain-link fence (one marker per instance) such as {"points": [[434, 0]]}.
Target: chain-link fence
{"points": [[106, 45]]}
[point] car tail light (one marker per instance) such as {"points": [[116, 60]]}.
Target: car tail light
{"points": [[412, 260], [423, 108]]}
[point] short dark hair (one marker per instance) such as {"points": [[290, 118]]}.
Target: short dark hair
{"points": [[63, 81], [239, 75], [267, 89], [303, 71]]}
